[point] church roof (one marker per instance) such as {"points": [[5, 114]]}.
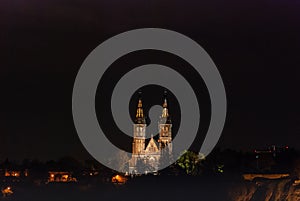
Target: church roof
{"points": [[152, 146]]}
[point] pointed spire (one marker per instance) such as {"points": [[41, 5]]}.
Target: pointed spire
{"points": [[165, 105], [165, 112], [139, 117]]}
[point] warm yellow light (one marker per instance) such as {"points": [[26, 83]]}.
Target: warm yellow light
{"points": [[7, 191], [65, 176], [52, 175]]}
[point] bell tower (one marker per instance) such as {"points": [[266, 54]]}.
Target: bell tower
{"points": [[139, 129], [165, 127]]}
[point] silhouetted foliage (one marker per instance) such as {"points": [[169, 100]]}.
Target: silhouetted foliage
{"points": [[190, 162]]}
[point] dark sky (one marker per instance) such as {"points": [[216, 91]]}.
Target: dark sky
{"points": [[255, 45]]}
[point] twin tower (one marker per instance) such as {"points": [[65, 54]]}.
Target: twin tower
{"points": [[147, 158]]}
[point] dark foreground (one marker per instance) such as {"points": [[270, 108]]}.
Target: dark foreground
{"points": [[153, 188]]}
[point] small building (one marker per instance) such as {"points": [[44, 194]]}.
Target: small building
{"points": [[119, 179], [7, 191], [60, 176], [12, 173]]}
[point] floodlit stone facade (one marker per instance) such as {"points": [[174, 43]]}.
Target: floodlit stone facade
{"points": [[147, 158]]}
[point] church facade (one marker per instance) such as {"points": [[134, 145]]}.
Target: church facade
{"points": [[148, 157]]}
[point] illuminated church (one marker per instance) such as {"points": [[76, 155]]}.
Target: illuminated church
{"points": [[147, 158]]}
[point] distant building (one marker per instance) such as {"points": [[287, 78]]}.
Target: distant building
{"points": [[61, 177], [119, 179], [12, 173], [266, 158], [7, 191], [273, 150], [147, 158]]}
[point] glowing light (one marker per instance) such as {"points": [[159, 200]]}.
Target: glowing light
{"points": [[119, 179], [7, 191]]}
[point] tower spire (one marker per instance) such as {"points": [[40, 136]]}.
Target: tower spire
{"points": [[139, 117], [165, 126], [165, 111], [165, 104]]}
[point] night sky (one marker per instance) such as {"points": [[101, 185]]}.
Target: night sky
{"points": [[255, 45]]}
